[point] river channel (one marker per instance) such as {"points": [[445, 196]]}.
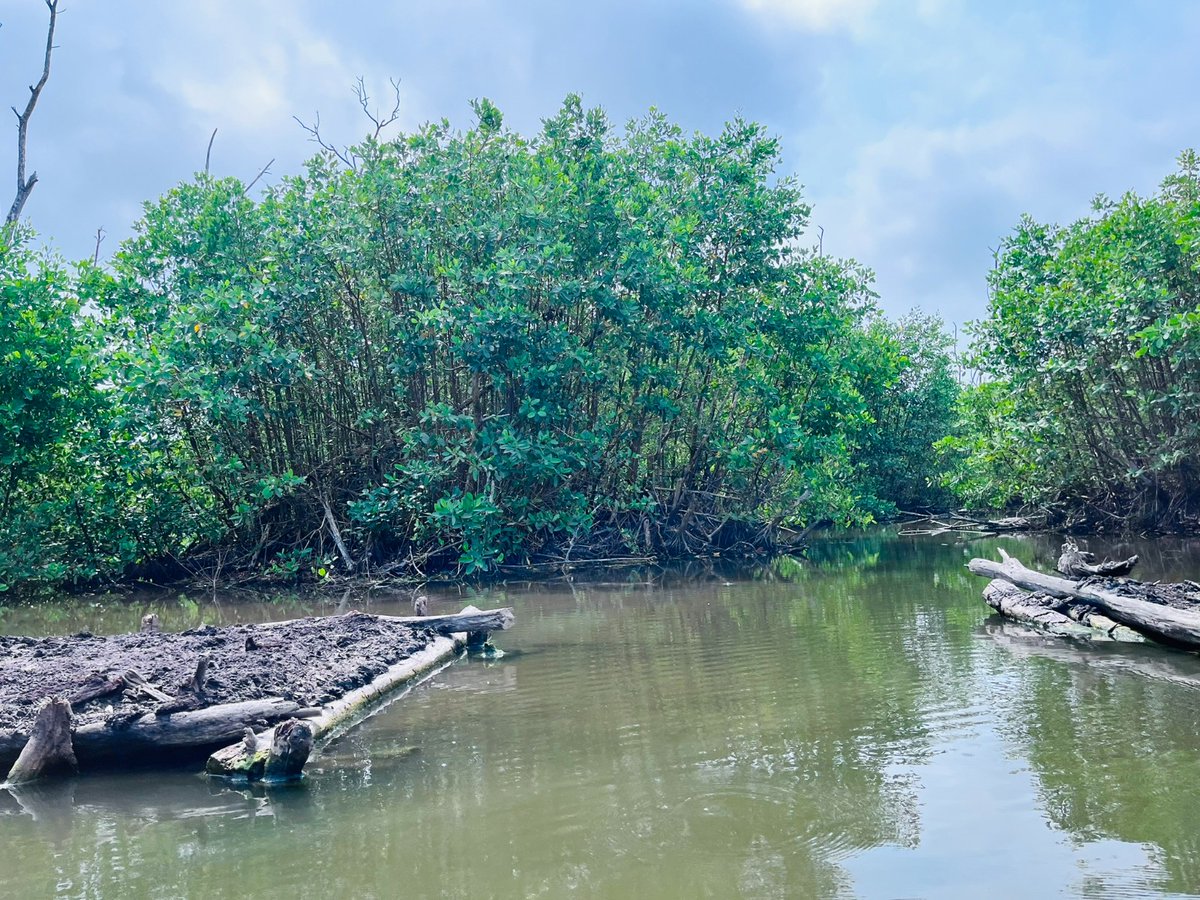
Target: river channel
{"points": [[853, 724]]}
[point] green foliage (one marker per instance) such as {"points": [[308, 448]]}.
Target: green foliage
{"points": [[1093, 352], [82, 487], [910, 411], [463, 350]]}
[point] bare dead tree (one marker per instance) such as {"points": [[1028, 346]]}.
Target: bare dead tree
{"points": [[208, 153], [380, 120], [25, 185]]}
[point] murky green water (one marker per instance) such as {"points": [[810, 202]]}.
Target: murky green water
{"points": [[856, 725]]}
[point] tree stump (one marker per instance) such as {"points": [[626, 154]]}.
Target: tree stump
{"points": [[254, 759], [290, 749], [49, 750]]}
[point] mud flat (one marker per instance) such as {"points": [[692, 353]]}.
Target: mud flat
{"points": [[86, 701]]}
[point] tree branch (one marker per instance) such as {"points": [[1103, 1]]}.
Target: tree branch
{"points": [[25, 185], [348, 156], [379, 121], [314, 131], [208, 152], [261, 172]]}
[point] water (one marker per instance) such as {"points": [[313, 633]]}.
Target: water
{"points": [[855, 725]]}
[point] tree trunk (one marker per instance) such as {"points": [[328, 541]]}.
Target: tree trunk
{"points": [[289, 752], [279, 755]]}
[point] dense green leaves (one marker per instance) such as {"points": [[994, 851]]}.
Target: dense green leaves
{"points": [[467, 350], [1092, 352], [911, 409]]}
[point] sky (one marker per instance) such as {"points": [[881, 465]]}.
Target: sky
{"points": [[920, 130]]}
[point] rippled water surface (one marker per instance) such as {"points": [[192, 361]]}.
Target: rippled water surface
{"points": [[855, 724]]}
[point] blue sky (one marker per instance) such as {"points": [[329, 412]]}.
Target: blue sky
{"points": [[921, 130]]}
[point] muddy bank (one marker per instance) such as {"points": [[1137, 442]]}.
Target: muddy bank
{"points": [[311, 661]]}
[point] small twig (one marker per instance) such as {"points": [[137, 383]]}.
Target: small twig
{"points": [[137, 681]]}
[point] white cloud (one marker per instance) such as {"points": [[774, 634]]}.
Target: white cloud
{"points": [[819, 16]]}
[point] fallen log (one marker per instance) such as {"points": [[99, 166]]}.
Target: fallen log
{"points": [[967, 525], [49, 750], [1009, 600], [1053, 615], [469, 620], [247, 759], [151, 736], [196, 730], [1169, 625], [345, 665]]}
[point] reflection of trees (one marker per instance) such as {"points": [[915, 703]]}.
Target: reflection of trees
{"points": [[1111, 732]]}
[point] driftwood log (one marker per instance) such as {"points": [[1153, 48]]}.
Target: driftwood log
{"points": [[469, 620], [957, 522], [1076, 563], [249, 758], [1166, 624], [150, 736], [1055, 616], [182, 722]]}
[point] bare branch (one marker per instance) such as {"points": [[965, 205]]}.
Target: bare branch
{"points": [[208, 152], [314, 131], [25, 185], [99, 241], [379, 121], [347, 155], [261, 172]]}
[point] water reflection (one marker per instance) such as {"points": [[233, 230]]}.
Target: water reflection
{"points": [[856, 725]]}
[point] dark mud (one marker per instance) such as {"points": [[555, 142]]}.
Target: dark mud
{"points": [[1178, 595], [311, 661]]}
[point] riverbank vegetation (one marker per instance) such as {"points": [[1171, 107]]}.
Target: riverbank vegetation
{"points": [[1090, 355], [457, 352], [473, 352]]}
